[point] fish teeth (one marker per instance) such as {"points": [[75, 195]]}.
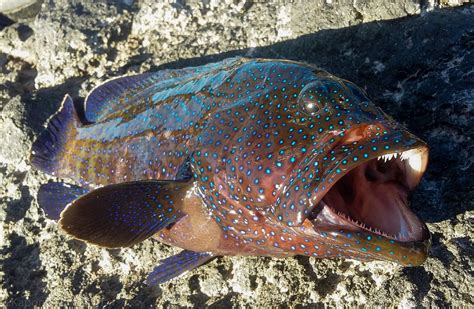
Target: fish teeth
{"points": [[413, 156], [388, 156]]}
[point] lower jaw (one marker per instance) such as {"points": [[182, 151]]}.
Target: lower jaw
{"points": [[345, 239]]}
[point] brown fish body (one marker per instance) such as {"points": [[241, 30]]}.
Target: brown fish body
{"points": [[241, 157]]}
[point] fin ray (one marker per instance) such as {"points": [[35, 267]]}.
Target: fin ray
{"points": [[177, 265], [124, 214], [105, 98], [120, 93], [53, 197], [47, 149]]}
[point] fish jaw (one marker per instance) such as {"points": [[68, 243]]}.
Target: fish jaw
{"points": [[363, 202], [358, 243]]}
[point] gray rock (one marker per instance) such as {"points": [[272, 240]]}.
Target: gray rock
{"points": [[19, 10], [415, 59]]}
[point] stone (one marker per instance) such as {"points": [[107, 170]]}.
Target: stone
{"points": [[414, 59]]}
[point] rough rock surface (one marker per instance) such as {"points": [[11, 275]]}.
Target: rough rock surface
{"points": [[414, 58]]}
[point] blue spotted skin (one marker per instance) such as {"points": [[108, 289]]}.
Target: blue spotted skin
{"points": [[265, 140], [121, 215]]}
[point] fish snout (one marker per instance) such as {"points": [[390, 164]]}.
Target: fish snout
{"points": [[362, 132], [370, 171]]}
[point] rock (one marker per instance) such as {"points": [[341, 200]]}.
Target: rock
{"points": [[414, 58], [12, 6], [20, 10]]}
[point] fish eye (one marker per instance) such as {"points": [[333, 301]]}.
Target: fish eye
{"points": [[313, 97]]}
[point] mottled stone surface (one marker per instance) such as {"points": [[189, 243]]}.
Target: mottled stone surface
{"points": [[415, 59]]}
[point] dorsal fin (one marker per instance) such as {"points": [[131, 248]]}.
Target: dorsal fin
{"points": [[120, 93]]}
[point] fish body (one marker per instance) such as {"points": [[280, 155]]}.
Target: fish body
{"points": [[240, 157]]}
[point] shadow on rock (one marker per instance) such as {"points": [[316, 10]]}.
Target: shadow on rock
{"points": [[227, 301], [466, 251], [17, 209], [420, 75], [23, 278], [145, 297], [440, 251], [422, 78], [417, 74], [421, 279], [41, 104]]}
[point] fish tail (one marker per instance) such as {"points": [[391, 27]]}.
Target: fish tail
{"points": [[47, 151]]}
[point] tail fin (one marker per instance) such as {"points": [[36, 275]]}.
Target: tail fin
{"points": [[47, 149], [53, 197]]}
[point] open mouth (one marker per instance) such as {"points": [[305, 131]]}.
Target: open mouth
{"points": [[374, 196]]}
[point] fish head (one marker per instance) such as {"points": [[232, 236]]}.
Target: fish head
{"points": [[351, 181]]}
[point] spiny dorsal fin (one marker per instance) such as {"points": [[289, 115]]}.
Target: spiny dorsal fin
{"points": [[120, 93], [115, 94]]}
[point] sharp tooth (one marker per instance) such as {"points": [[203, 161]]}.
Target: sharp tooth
{"points": [[394, 155]]}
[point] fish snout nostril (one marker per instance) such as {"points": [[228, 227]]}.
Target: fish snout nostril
{"points": [[362, 132]]}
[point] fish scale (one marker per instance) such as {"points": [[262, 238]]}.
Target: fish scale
{"points": [[256, 156]]}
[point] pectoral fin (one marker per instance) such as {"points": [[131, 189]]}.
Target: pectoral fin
{"points": [[124, 214]]}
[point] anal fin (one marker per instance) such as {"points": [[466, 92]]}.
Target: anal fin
{"points": [[53, 197], [125, 214], [177, 265]]}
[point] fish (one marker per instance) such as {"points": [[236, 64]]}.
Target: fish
{"points": [[247, 157]]}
